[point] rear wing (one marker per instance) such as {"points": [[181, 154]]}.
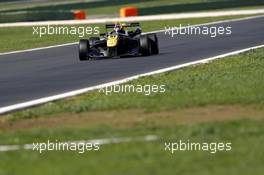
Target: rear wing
{"points": [[133, 24]]}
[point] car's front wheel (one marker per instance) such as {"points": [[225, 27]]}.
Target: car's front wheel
{"points": [[83, 49]]}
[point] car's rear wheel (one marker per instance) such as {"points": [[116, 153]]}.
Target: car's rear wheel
{"points": [[145, 45], [154, 44], [83, 49]]}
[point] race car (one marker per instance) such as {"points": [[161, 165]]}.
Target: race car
{"points": [[119, 42]]}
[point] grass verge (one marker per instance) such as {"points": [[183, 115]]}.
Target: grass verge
{"points": [[245, 158]]}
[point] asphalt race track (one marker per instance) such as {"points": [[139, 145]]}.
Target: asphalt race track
{"points": [[36, 74]]}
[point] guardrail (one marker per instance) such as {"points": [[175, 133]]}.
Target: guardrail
{"points": [[138, 18]]}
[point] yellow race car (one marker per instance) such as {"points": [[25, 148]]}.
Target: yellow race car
{"points": [[119, 42]]}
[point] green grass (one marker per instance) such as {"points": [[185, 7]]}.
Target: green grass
{"points": [[9, 36], [9, 41], [245, 158]]}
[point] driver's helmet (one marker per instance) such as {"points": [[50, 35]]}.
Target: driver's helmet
{"points": [[118, 28]]}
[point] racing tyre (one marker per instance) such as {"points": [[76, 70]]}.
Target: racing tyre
{"points": [[154, 45], [145, 45], [83, 49]]}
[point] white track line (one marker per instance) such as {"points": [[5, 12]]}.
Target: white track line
{"points": [[40, 48], [157, 31], [148, 138], [121, 81], [139, 18]]}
